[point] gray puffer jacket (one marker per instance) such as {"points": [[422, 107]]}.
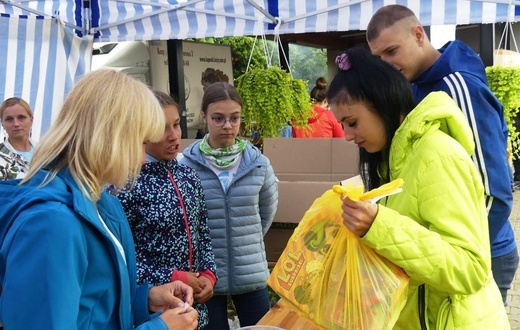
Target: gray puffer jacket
{"points": [[239, 218]]}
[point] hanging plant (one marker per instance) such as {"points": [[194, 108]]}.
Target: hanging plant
{"points": [[505, 84], [271, 99]]}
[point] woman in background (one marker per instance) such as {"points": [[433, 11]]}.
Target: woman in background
{"points": [[167, 212], [321, 123], [242, 198], [16, 150]]}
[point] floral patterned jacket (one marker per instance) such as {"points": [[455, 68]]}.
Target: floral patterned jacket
{"points": [[165, 249], [12, 165]]}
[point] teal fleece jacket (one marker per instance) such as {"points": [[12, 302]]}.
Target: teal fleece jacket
{"points": [[436, 229], [59, 268]]}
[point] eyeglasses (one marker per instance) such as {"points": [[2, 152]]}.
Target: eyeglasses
{"points": [[220, 121]]}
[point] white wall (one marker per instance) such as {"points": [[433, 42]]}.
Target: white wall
{"points": [[441, 34]]}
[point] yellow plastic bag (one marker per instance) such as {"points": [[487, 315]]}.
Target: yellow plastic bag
{"points": [[333, 279]]}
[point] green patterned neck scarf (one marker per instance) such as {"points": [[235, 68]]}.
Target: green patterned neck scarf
{"points": [[222, 158]]}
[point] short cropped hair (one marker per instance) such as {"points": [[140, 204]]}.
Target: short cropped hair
{"points": [[100, 131], [13, 101], [385, 17]]}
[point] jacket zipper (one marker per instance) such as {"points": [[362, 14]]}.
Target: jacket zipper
{"points": [[186, 223], [422, 306]]}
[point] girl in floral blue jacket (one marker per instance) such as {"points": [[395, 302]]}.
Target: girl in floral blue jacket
{"points": [[167, 212]]}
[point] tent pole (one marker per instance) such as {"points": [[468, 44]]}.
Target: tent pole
{"points": [[486, 44], [176, 81], [283, 55], [86, 15]]}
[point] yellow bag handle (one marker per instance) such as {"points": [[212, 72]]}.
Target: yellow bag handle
{"points": [[355, 193]]}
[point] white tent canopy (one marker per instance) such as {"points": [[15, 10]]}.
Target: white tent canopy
{"points": [[45, 74], [120, 20]]}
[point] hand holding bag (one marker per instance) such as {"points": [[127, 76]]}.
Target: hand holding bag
{"points": [[330, 277]]}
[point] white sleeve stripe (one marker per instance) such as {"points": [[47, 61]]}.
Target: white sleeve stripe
{"points": [[459, 92]]}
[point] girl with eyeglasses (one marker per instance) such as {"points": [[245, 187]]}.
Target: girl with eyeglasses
{"points": [[242, 198]]}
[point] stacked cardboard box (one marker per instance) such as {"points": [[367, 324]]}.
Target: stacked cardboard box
{"points": [[305, 168]]}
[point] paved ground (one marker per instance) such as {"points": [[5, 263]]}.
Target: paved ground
{"points": [[513, 298]]}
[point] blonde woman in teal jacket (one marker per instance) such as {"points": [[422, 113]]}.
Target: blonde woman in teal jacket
{"points": [[436, 228]]}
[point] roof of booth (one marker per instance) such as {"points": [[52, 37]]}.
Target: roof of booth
{"points": [[120, 20]]}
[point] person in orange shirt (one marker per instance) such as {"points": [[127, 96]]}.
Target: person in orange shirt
{"points": [[321, 123]]}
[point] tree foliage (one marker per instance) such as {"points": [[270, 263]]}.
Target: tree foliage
{"points": [[308, 63], [505, 84]]}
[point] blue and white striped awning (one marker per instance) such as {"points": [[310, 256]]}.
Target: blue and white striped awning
{"points": [[124, 20], [346, 15], [161, 19], [70, 12], [40, 60]]}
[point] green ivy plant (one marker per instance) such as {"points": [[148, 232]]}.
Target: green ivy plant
{"points": [[271, 99], [505, 84]]}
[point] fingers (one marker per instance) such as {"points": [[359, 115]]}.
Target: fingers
{"points": [[181, 318], [350, 203], [182, 291], [355, 226], [195, 282], [204, 296], [180, 309], [358, 216], [188, 296]]}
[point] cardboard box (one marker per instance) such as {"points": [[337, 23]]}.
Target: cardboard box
{"points": [[299, 157], [325, 160], [344, 159], [305, 168], [295, 198], [276, 240]]}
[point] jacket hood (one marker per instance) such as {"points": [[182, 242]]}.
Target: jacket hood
{"points": [[316, 114], [436, 112], [456, 57]]}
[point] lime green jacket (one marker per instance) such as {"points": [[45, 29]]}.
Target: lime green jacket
{"points": [[436, 228]]}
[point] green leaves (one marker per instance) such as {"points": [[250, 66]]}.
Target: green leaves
{"points": [[505, 84], [272, 99]]}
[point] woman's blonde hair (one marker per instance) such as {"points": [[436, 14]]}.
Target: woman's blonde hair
{"points": [[100, 131]]}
